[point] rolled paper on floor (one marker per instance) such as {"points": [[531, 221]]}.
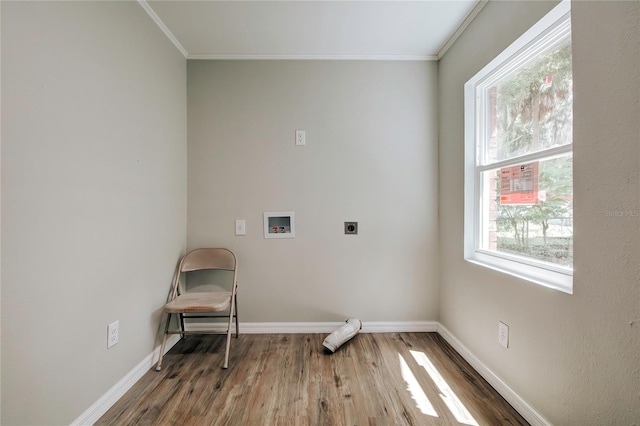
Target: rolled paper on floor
{"points": [[341, 335]]}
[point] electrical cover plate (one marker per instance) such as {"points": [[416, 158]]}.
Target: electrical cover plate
{"points": [[503, 334], [113, 330], [351, 228]]}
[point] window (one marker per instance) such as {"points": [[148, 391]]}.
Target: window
{"points": [[518, 157]]}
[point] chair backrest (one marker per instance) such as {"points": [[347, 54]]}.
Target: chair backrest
{"points": [[208, 258], [204, 259]]}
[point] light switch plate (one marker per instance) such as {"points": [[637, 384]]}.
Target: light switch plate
{"points": [[241, 228], [503, 334]]}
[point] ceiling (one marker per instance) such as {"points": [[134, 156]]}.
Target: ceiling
{"points": [[404, 30]]}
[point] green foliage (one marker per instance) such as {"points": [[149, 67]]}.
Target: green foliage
{"points": [[558, 250], [534, 106]]}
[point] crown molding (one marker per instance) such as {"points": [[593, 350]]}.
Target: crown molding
{"points": [[163, 27], [323, 57], [463, 26], [314, 57]]}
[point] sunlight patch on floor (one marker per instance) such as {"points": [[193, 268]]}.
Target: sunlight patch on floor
{"points": [[452, 401], [414, 388]]}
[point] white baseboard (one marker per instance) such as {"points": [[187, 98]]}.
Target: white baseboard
{"points": [[520, 405], [400, 327], [269, 327], [97, 410], [93, 413], [319, 327]]}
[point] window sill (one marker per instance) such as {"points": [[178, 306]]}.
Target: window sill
{"points": [[560, 279]]}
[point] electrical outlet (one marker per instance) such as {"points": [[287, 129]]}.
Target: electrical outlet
{"points": [[351, 228], [112, 333], [503, 334], [301, 137]]}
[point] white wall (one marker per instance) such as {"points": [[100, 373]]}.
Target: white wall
{"points": [[371, 157], [575, 358], [93, 198]]}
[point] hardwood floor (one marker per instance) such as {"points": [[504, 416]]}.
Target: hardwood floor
{"points": [[287, 379]]}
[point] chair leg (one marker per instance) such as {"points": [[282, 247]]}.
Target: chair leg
{"points": [[182, 325], [236, 315], [226, 351], [164, 342]]}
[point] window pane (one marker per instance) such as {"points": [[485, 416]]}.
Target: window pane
{"points": [[529, 210], [531, 108]]}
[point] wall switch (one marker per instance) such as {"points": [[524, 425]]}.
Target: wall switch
{"points": [[503, 334], [301, 137], [241, 228], [112, 333]]}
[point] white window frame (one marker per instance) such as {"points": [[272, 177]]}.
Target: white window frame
{"points": [[551, 28]]}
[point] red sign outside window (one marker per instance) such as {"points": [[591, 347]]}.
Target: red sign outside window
{"points": [[519, 184]]}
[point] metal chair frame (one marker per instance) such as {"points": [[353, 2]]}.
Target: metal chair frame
{"points": [[199, 260]]}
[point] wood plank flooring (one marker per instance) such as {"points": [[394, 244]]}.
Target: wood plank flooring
{"points": [[288, 379]]}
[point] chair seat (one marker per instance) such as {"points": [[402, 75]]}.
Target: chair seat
{"points": [[199, 302]]}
